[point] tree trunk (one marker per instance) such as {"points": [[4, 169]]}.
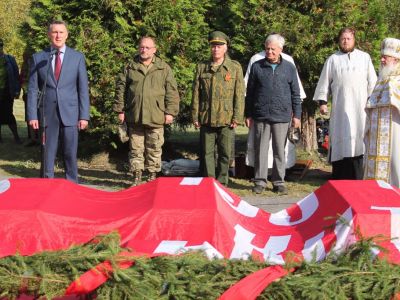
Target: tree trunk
{"points": [[309, 132]]}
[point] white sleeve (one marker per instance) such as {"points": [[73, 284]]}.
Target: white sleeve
{"points": [[290, 59], [324, 82], [371, 77]]}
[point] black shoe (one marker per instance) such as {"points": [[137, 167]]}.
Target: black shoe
{"points": [[152, 176], [32, 143], [280, 189], [258, 189], [137, 178]]}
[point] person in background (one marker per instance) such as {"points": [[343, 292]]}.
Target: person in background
{"points": [[382, 130], [146, 99], [349, 77], [217, 106], [272, 104], [33, 135], [9, 90]]}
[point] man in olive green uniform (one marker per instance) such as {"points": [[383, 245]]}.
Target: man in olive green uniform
{"points": [[146, 99], [217, 106]]}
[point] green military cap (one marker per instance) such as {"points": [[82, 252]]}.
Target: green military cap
{"points": [[218, 38]]}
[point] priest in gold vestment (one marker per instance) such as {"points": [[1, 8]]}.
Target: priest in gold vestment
{"points": [[382, 136]]}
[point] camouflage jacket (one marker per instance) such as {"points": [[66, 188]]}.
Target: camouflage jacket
{"points": [[218, 94], [146, 98]]}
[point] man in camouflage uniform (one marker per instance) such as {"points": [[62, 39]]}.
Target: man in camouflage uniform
{"points": [[146, 99], [217, 106]]}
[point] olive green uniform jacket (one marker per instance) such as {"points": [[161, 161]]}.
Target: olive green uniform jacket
{"points": [[146, 97], [218, 96]]}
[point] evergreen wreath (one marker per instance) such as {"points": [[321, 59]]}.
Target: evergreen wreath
{"points": [[356, 274]]}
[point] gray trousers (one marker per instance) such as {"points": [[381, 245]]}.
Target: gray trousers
{"points": [[263, 132]]}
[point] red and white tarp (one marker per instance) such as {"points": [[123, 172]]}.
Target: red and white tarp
{"points": [[171, 215]]}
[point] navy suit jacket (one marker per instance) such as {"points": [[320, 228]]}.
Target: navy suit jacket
{"points": [[71, 93]]}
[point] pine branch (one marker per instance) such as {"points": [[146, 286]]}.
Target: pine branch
{"points": [[353, 275]]}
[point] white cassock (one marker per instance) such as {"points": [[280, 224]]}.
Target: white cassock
{"points": [[349, 78], [290, 149], [382, 132]]}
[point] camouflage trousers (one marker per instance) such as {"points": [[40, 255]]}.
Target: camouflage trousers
{"points": [[145, 148]]}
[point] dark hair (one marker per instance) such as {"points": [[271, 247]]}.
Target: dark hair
{"points": [[346, 30], [57, 22]]}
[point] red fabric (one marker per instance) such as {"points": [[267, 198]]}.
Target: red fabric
{"points": [[94, 278], [170, 215], [325, 144], [252, 286], [396, 297]]}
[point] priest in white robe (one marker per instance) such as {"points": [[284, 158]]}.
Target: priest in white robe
{"points": [[382, 131], [290, 148], [349, 77]]}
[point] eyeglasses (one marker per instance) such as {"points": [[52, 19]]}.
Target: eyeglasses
{"points": [[146, 48]]}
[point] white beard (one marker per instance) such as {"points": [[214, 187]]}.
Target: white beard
{"points": [[386, 71]]}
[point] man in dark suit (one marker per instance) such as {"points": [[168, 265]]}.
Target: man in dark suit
{"points": [[65, 106], [9, 89]]}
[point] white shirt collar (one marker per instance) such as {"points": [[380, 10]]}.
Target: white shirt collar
{"points": [[62, 49]]}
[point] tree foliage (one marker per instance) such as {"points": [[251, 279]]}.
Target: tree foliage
{"points": [[12, 14], [107, 32]]}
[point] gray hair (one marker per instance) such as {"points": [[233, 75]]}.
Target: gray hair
{"points": [[275, 38], [57, 22]]}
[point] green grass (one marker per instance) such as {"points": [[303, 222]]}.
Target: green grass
{"points": [[185, 144], [109, 170]]}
